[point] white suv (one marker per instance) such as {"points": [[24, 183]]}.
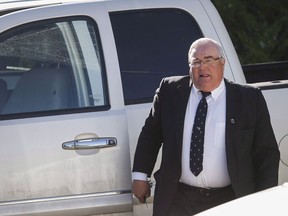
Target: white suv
{"points": [[76, 84]]}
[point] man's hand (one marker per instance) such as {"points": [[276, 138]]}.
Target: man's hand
{"points": [[141, 189]]}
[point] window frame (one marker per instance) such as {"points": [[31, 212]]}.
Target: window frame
{"points": [[154, 10], [11, 32]]}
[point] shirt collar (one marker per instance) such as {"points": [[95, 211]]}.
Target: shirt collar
{"points": [[214, 94]]}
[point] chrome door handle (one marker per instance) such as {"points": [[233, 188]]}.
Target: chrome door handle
{"points": [[90, 143]]}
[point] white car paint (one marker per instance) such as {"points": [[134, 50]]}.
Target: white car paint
{"points": [[269, 202]]}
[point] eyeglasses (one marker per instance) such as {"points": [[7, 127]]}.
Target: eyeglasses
{"points": [[206, 61]]}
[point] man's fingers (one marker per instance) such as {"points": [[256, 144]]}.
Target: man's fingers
{"points": [[141, 190]]}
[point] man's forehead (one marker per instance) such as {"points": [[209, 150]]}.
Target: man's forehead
{"points": [[204, 51]]}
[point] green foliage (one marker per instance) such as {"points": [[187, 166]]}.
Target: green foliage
{"points": [[258, 28]]}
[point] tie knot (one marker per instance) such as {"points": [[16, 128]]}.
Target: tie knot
{"points": [[205, 94]]}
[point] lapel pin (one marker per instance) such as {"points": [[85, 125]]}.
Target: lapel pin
{"points": [[232, 121]]}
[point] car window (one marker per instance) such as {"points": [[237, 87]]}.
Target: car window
{"points": [[152, 44], [51, 67]]}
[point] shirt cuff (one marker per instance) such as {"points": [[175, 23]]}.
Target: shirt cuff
{"points": [[139, 176]]}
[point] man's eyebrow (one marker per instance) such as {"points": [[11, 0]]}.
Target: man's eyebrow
{"points": [[205, 57]]}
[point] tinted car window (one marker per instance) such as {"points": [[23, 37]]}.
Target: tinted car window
{"points": [[51, 66], [151, 44]]}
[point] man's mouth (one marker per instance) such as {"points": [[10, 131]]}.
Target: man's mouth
{"points": [[204, 75]]}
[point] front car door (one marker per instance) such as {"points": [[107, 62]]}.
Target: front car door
{"points": [[63, 127]]}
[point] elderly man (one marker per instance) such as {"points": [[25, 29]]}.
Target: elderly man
{"points": [[217, 140]]}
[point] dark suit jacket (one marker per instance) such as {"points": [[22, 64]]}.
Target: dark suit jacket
{"points": [[251, 148]]}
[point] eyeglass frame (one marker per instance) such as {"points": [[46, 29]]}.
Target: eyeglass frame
{"points": [[207, 61]]}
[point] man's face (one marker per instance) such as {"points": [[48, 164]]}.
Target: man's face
{"points": [[206, 77]]}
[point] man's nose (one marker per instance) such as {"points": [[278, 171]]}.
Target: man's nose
{"points": [[202, 65]]}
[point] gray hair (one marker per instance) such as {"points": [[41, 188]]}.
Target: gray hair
{"points": [[202, 41]]}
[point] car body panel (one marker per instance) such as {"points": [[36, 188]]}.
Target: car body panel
{"points": [[272, 201], [40, 170]]}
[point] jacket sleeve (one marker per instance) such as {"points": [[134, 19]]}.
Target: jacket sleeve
{"points": [[150, 139], [266, 152]]}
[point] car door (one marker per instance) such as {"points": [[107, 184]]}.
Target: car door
{"points": [[63, 127]]}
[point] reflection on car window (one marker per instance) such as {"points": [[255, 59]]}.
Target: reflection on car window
{"points": [[151, 44], [53, 66]]}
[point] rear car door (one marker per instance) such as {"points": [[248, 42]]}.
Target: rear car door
{"points": [[63, 127]]}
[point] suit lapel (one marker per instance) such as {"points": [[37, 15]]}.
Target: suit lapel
{"points": [[232, 114], [181, 100]]}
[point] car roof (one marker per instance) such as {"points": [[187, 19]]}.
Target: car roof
{"points": [[7, 6]]}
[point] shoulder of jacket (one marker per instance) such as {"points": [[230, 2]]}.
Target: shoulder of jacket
{"points": [[244, 87], [176, 79]]}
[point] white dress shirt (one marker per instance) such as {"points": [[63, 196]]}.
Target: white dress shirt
{"points": [[214, 173]]}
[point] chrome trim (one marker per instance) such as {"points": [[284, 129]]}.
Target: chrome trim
{"points": [[90, 143], [67, 197]]}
